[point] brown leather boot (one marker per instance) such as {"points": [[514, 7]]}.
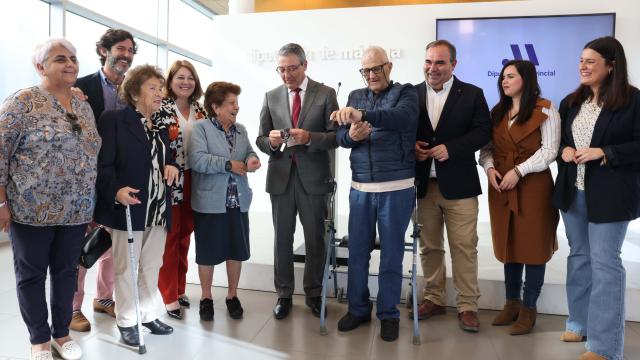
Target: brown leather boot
{"points": [[79, 322], [569, 336], [525, 322], [591, 356], [508, 314]]}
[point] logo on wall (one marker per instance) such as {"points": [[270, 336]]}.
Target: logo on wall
{"points": [[517, 55]]}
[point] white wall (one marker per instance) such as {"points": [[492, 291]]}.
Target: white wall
{"points": [[240, 40]]}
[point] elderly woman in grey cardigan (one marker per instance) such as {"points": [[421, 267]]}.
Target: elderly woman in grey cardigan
{"points": [[220, 155]]}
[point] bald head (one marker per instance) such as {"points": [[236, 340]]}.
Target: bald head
{"points": [[376, 53], [376, 68]]}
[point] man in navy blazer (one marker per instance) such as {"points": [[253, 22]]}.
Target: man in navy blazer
{"points": [[454, 123], [116, 49]]}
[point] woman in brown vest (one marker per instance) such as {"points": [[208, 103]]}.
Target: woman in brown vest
{"points": [[525, 139]]}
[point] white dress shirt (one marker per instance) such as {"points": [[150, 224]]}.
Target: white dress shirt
{"points": [[435, 103]]}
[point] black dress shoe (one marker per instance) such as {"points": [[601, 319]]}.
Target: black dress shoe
{"points": [[206, 310], [315, 304], [281, 310], [389, 329], [129, 335], [184, 301], [234, 307], [350, 322], [157, 327], [176, 314]]}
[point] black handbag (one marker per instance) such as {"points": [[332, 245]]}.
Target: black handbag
{"points": [[96, 242]]}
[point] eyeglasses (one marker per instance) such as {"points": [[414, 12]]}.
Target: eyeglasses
{"points": [[291, 68], [376, 70], [75, 126]]}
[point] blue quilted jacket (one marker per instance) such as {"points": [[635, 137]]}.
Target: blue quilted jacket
{"points": [[388, 154]]}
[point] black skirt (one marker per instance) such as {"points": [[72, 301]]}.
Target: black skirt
{"points": [[221, 237]]}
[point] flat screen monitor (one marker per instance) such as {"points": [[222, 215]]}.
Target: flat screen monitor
{"points": [[552, 43]]}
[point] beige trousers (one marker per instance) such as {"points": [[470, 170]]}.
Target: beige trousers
{"points": [[148, 247], [460, 218]]}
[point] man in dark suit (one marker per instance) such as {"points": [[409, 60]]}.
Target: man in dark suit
{"points": [[299, 171], [454, 123], [116, 49]]}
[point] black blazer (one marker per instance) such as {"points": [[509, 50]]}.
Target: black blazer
{"points": [[612, 190], [91, 85], [464, 127], [125, 160]]}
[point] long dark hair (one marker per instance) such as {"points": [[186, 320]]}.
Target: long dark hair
{"points": [[615, 91], [530, 93]]}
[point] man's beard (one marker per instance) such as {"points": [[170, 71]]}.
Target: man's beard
{"points": [[112, 62]]}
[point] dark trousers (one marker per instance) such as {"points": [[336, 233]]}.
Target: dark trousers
{"points": [[312, 211], [36, 249], [534, 278]]}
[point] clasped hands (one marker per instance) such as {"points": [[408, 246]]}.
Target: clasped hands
{"points": [[582, 155], [438, 152], [241, 168], [500, 182], [359, 129]]}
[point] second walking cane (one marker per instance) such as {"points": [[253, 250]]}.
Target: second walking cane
{"points": [[134, 280]]}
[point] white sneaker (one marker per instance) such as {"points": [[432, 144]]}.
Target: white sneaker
{"points": [[41, 355], [68, 351]]}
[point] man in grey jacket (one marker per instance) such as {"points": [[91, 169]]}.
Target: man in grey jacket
{"points": [[296, 133]]}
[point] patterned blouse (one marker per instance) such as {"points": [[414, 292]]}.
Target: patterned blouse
{"points": [[170, 116], [157, 201], [232, 188], [48, 159], [582, 130]]}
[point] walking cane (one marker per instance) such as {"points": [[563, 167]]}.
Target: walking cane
{"points": [[134, 279]]}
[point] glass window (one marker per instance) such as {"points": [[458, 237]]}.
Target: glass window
{"points": [[188, 27], [204, 71], [84, 34], [16, 49], [141, 14], [147, 53]]}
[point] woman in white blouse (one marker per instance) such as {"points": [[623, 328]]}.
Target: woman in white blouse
{"points": [[179, 110], [598, 193], [525, 139]]}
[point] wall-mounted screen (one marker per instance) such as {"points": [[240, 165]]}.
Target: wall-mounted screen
{"points": [[552, 43]]}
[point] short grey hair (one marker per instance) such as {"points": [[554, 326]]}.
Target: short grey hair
{"points": [[41, 51], [452, 49], [293, 49], [376, 50]]}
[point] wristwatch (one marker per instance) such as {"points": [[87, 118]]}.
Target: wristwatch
{"points": [[227, 166], [364, 114]]}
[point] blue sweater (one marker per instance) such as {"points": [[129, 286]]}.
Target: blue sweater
{"points": [[389, 152]]}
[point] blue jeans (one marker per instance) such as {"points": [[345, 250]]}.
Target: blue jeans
{"points": [[392, 212], [534, 279], [595, 280]]}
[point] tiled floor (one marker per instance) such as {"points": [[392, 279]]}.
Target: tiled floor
{"points": [[259, 336]]}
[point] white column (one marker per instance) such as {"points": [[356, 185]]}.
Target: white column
{"points": [[241, 7]]}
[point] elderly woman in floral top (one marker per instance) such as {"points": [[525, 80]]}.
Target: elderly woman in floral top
{"points": [[48, 156], [179, 110]]}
